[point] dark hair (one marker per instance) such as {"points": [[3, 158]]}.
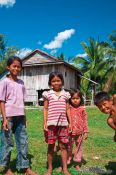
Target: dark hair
{"points": [[79, 93], [12, 59], [101, 96], [53, 74]]}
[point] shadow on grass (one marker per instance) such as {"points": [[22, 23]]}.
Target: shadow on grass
{"points": [[13, 165], [57, 162], [74, 164], [111, 168]]}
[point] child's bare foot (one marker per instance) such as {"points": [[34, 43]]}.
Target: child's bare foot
{"points": [[8, 172], [78, 168], [66, 172], [30, 172], [49, 172]]}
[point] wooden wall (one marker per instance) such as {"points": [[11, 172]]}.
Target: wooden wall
{"points": [[36, 78]]}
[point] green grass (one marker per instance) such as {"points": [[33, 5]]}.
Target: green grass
{"points": [[99, 144]]}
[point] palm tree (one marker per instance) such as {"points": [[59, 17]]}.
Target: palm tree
{"points": [[2, 47], [5, 52], [94, 65], [111, 80], [61, 57]]}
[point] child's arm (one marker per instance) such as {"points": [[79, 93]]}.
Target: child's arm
{"points": [[5, 121], [68, 115], [114, 99], [110, 122], [112, 125], [45, 114], [114, 109], [0, 107], [85, 124]]}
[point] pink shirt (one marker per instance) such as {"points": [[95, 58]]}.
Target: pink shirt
{"points": [[13, 94], [79, 120], [57, 107]]}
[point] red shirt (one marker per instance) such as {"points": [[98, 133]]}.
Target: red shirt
{"points": [[79, 120]]}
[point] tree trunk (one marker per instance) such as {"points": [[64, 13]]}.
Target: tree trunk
{"points": [[108, 84]]}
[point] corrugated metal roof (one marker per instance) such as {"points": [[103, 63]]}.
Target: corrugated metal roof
{"points": [[38, 57]]}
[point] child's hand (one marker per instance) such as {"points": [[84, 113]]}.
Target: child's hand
{"points": [[45, 127], [70, 127], [5, 125], [85, 136]]}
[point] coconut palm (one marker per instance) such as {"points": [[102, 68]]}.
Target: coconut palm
{"points": [[111, 80], [94, 64], [2, 47], [5, 52], [61, 57]]}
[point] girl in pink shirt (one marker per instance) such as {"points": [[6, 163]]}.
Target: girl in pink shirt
{"points": [[12, 95], [79, 127], [56, 119]]}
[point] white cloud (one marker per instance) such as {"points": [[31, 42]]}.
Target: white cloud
{"points": [[7, 3], [23, 52], [84, 55], [59, 39]]}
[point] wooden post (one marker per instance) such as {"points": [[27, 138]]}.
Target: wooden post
{"points": [[92, 96]]}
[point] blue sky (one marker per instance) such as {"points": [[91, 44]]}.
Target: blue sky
{"points": [[56, 26]]}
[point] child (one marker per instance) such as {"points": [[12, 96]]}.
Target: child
{"points": [[79, 127], [56, 111], [107, 105], [12, 94]]}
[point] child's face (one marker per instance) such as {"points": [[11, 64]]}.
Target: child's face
{"points": [[75, 100], [105, 106], [56, 83], [15, 68]]}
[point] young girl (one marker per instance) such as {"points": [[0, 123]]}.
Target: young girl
{"points": [[79, 127], [56, 119], [12, 94]]}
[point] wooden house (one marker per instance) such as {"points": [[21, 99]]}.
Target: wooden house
{"points": [[36, 69]]}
